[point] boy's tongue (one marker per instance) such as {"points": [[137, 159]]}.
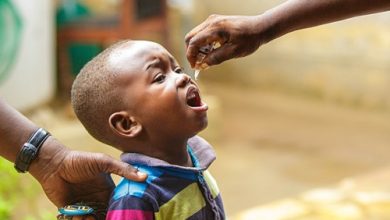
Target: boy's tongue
{"points": [[193, 98]]}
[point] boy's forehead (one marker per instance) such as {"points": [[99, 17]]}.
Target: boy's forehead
{"points": [[135, 53]]}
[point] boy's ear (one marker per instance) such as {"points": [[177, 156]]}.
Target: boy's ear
{"points": [[125, 125]]}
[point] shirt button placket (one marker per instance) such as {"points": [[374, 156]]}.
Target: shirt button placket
{"points": [[209, 196]]}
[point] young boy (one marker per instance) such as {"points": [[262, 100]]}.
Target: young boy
{"points": [[135, 97]]}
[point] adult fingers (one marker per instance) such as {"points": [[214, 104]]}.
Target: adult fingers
{"points": [[223, 53], [193, 47], [194, 32], [110, 165], [202, 39]]}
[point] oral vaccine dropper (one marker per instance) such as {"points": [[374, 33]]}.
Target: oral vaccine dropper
{"points": [[203, 51]]}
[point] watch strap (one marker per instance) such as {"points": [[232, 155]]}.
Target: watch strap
{"points": [[30, 150]]}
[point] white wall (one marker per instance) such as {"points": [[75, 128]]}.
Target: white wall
{"points": [[32, 78]]}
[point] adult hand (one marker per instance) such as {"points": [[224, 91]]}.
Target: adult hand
{"points": [[68, 177], [238, 36], [241, 35]]}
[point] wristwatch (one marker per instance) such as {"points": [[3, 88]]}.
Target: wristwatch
{"points": [[78, 209], [30, 150]]}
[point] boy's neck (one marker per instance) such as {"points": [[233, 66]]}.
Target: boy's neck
{"points": [[173, 151], [179, 157]]}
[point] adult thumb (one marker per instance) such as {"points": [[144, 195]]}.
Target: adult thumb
{"points": [[221, 54], [110, 165]]}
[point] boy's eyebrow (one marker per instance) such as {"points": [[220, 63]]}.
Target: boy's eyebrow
{"points": [[157, 62], [154, 63]]}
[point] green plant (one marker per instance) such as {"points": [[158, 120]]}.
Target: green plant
{"points": [[16, 190], [5, 209], [9, 188]]}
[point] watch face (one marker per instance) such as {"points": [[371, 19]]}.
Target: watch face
{"points": [[75, 210]]}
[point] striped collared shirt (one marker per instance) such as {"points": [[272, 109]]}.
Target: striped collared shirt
{"points": [[170, 192]]}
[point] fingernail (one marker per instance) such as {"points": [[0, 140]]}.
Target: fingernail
{"points": [[141, 174]]}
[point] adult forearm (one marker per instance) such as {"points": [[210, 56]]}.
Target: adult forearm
{"points": [[299, 14], [240, 36], [15, 129]]}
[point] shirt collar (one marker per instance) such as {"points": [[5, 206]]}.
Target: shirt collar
{"points": [[201, 152]]}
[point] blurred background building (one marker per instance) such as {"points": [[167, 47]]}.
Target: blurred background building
{"points": [[301, 127]]}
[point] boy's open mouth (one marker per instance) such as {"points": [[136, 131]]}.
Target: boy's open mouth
{"points": [[193, 97]]}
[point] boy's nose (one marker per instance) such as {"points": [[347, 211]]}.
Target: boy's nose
{"points": [[182, 80]]}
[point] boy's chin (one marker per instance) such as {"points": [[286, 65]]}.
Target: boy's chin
{"points": [[202, 127]]}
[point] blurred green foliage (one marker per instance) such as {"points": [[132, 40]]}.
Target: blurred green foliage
{"points": [[9, 188], [42, 216], [16, 190]]}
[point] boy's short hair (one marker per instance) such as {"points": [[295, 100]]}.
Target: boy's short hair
{"points": [[93, 97]]}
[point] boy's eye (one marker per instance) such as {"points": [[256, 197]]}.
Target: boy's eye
{"points": [[159, 78], [178, 70]]}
